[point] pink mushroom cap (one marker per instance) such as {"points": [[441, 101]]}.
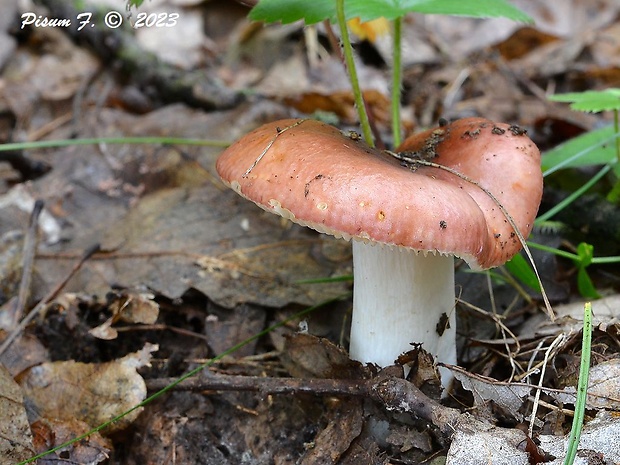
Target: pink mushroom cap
{"points": [[317, 176]]}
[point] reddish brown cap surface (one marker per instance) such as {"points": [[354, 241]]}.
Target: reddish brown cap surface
{"points": [[314, 175]]}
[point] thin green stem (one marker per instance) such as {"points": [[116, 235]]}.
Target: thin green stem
{"points": [[111, 140], [355, 84], [573, 196], [396, 80], [554, 251], [582, 386], [616, 131], [604, 260], [571, 256]]}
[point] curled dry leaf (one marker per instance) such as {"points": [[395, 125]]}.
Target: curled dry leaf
{"points": [[25, 352], [93, 393], [307, 356], [130, 307]]}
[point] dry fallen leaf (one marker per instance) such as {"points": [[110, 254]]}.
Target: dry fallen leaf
{"points": [[92, 393], [130, 307], [598, 443], [15, 435], [508, 396], [307, 356], [51, 433], [345, 422], [26, 351], [479, 443], [603, 387]]}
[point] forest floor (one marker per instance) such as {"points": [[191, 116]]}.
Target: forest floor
{"points": [[142, 265]]}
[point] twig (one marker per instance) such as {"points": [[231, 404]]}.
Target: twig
{"points": [[558, 341], [267, 385], [43, 302], [30, 247], [392, 392]]}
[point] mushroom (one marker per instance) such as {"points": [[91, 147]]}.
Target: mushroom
{"points": [[407, 219]]}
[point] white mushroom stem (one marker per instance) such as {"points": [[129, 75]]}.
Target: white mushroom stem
{"points": [[399, 298]]}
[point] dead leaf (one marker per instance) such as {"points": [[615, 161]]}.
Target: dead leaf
{"points": [[225, 329], [522, 42], [345, 422], [599, 437], [92, 393], [341, 103], [244, 255], [26, 351], [569, 318], [307, 356], [180, 216], [130, 307], [50, 433], [603, 387], [479, 443], [508, 396], [15, 436], [181, 45]]}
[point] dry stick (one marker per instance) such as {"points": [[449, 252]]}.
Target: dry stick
{"points": [[556, 342], [510, 354], [30, 247], [394, 393], [43, 302]]}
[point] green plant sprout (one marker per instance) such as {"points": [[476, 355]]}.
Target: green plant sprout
{"points": [[582, 386], [584, 257]]}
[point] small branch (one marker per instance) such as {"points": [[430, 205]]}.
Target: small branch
{"points": [[394, 393], [267, 385], [399, 395], [45, 300], [30, 247]]}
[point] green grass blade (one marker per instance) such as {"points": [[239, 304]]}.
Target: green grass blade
{"points": [[591, 148], [582, 386], [46, 144], [520, 268], [573, 196]]}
